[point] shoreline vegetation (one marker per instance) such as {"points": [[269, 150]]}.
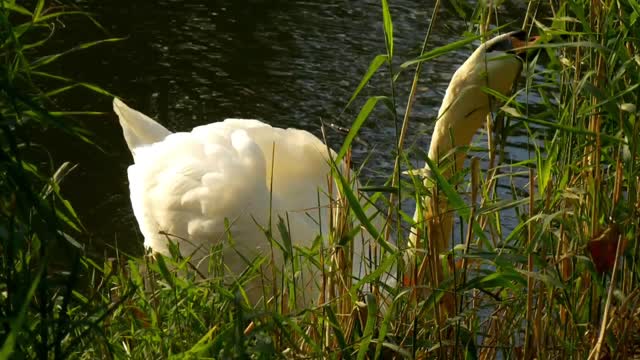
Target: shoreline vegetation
{"points": [[564, 283]]}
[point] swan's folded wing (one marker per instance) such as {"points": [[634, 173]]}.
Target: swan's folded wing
{"points": [[186, 188]]}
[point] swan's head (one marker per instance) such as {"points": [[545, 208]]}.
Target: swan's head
{"points": [[497, 63], [500, 58], [513, 43], [493, 67]]}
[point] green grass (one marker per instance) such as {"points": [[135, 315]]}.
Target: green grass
{"points": [[37, 299], [533, 291]]}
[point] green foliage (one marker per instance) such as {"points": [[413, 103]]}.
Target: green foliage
{"points": [[36, 221]]}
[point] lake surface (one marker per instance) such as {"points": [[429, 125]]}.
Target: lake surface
{"points": [[288, 63]]}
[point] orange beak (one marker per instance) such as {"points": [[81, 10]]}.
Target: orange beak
{"points": [[520, 46]]}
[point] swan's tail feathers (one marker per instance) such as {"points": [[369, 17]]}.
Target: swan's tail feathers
{"points": [[139, 129]]}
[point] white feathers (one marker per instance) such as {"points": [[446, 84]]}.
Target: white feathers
{"points": [[467, 101], [184, 185]]}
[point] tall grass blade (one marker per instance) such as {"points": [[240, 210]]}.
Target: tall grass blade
{"points": [[357, 124], [373, 68], [388, 27], [21, 316], [372, 311]]}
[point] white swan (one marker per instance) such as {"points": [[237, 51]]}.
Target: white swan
{"points": [[184, 185], [494, 65]]}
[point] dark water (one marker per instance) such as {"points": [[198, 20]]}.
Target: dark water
{"points": [[289, 63]]}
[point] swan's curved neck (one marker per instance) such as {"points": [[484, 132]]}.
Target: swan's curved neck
{"points": [[464, 110]]}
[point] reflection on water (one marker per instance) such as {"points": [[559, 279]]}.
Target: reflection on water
{"points": [[289, 63]]}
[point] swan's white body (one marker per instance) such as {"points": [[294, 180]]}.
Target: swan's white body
{"points": [[187, 186], [184, 186]]}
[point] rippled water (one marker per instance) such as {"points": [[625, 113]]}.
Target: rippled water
{"points": [[289, 63]]}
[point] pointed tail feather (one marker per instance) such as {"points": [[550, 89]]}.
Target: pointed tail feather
{"points": [[139, 129]]}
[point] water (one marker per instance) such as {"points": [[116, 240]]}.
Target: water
{"points": [[288, 63]]}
